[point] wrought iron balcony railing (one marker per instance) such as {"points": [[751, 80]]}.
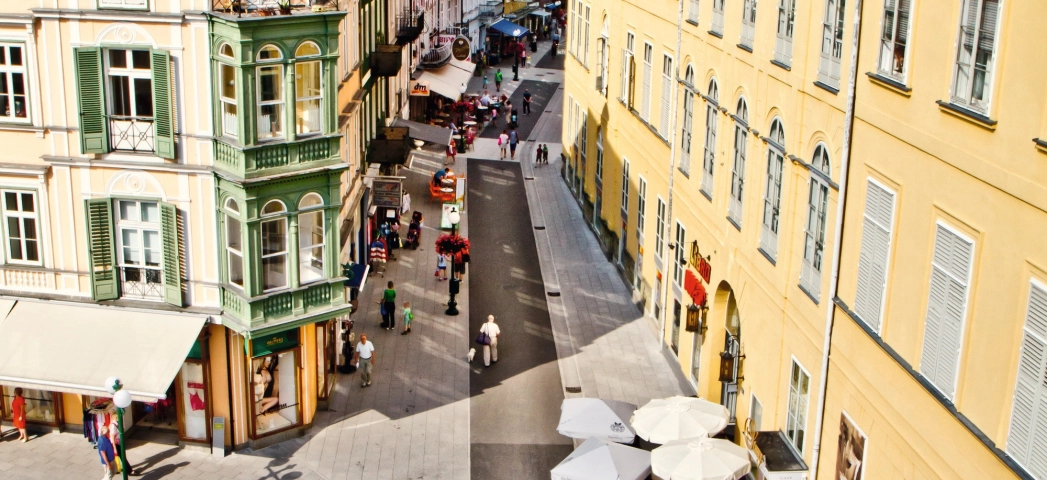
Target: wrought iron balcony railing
{"points": [[437, 56], [409, 26], [265, 8], [141, 282], [131, 134], [491, 9]]}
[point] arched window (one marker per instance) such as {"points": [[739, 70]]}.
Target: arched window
{"points": [[311, 238], [711, 118], [227, 91], [688, 121], [772, 198], [308, 91], [274, 246], [814, 232], [741, 140], [234, 251], [226, 50], [269, 53], [270, 94]]}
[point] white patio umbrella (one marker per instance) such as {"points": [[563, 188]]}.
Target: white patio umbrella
{"points": [[598, 459], [700, 459], [673, 418], [594, 417]]}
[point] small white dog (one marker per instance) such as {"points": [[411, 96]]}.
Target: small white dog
{"points": [[471, 354]]}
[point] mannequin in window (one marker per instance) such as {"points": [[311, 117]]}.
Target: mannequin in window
{"points": [[264, 386]]}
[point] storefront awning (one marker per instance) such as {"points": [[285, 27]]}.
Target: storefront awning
{"points": [[70, 348], [509, 29], [426, 133], [449, 79], [540, 13]]}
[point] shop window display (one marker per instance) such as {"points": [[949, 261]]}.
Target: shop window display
{"points": [[194, 401], [275, 392], [39, 405]]}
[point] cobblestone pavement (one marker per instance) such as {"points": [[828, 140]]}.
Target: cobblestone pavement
{"points": [[413, 423]]}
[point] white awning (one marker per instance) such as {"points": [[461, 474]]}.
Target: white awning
{"points": [[71, 348], [449, 79]]}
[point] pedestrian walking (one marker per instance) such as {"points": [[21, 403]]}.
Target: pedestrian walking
{"points": [[514, 138], [503, 142], [408, 316], [107, 453], [491, 348], [538, 155], [498, 80], [388, 307], [452, 153], [494, 117], [18, 414], [545, 153], [364, 353], [441, 266], [527, 101], [485, 81]]}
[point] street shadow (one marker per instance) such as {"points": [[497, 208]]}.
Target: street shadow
{"points": [[161, 471]]}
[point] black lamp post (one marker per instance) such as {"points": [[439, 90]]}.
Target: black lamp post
{"points": [[453, 286]]}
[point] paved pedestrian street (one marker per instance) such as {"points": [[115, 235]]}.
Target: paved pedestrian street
{"points": [[430, 414]]}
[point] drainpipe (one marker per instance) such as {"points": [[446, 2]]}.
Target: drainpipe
{"points": [[672, 169], [830, 314]]}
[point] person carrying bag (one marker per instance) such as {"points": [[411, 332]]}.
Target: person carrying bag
{"points": [[488, 337]]}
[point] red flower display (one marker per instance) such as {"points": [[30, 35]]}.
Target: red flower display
{"points": [[451, 244]]}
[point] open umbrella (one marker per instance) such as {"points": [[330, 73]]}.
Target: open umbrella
{"points": [[700, 459], [673, 418], [593, 417], [597, 459]]}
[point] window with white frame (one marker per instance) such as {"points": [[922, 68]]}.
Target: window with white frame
{"points": [[603, 57], [877, 226], [1028, 427], [628, 69], [709, 155], [946, 308], [21, 226], [772, 197], [641, 209], [234, 243], [129, 76], [976, 55], [583, 137], [894, 39], [625, 189], [741, 141], [667, 94], [799, 394], [648, 67], [270, 94], [274, 246], [308, 93], [688, 121], [832, 43], [228, 92], [814, 232], [748, 22], [756, 412], [127, 4], [717, 26], [680, 261], [577, 30], [692, 11], [14, 86], [599, 157], [585, 52], [310, 238], [139, 249], [783, 45], [659, 229]]}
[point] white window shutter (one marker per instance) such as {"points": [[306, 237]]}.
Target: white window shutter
{"points": [[1027, 439], [667, 85], [873, 259], [645, 102], [946, 309]]}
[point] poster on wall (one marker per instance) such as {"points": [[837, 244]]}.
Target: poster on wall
{"points": [[850, 456], [386, 193]]}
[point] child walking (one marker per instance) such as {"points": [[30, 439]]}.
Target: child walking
{"points": [[408, 316], [441, 266], [485, 81]]}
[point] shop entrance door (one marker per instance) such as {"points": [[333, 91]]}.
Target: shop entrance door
{"points": [[158, 417]]}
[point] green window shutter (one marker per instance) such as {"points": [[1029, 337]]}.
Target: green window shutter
{"points": [[94, 134], [100, 249], [163, 118], [172, 254]]}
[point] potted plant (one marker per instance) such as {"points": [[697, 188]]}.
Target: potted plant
{"points": [[284, 6]]}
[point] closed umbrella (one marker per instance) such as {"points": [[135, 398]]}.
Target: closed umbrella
{"points": [[593, 417], [597, 459], [700, 459], [673, 418]]}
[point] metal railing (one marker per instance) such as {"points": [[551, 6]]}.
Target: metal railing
{"points": [[437, 56], [141, 282], [266, 7], [131, 134], [491, 9]]}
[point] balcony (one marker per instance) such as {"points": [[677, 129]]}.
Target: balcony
{"points": [[437, 56], [390, 147], [276, 158], [307, 303], [131, 134], [142, 282], [386, 60], [269, 8], [490, 10], [409, 26]]}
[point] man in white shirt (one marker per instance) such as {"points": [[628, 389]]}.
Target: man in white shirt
{"points": [[492, 331], [364, 353]]}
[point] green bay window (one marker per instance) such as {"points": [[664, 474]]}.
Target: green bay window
{"points": [[274, 247], [308, 90], [270, 94], [227, 92], [311, 238], [234, 249]]}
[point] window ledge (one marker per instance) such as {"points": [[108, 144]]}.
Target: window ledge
{"points": [[745, 47], [1041, 144], [892, 85], [732, 222], [965, 114], [707, 196], [684, 172], [782, 65], [813, 297], [716, 34], [767, 256], [829, 88], [692, 22], [22, 127]]}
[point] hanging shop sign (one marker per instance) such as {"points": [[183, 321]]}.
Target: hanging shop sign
{"points": [[419, 88], [695, 289], [386, 192], [460, 49], [276, 342], [700, 263]]}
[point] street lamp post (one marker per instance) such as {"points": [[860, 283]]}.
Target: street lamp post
{"points": [[122, 400], [452, 287]]}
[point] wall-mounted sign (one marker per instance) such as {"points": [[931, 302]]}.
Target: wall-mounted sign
{"points": [[460, 49], [695, 289], [386, 193], [700, 263], [274, 343], [419, 88]]}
